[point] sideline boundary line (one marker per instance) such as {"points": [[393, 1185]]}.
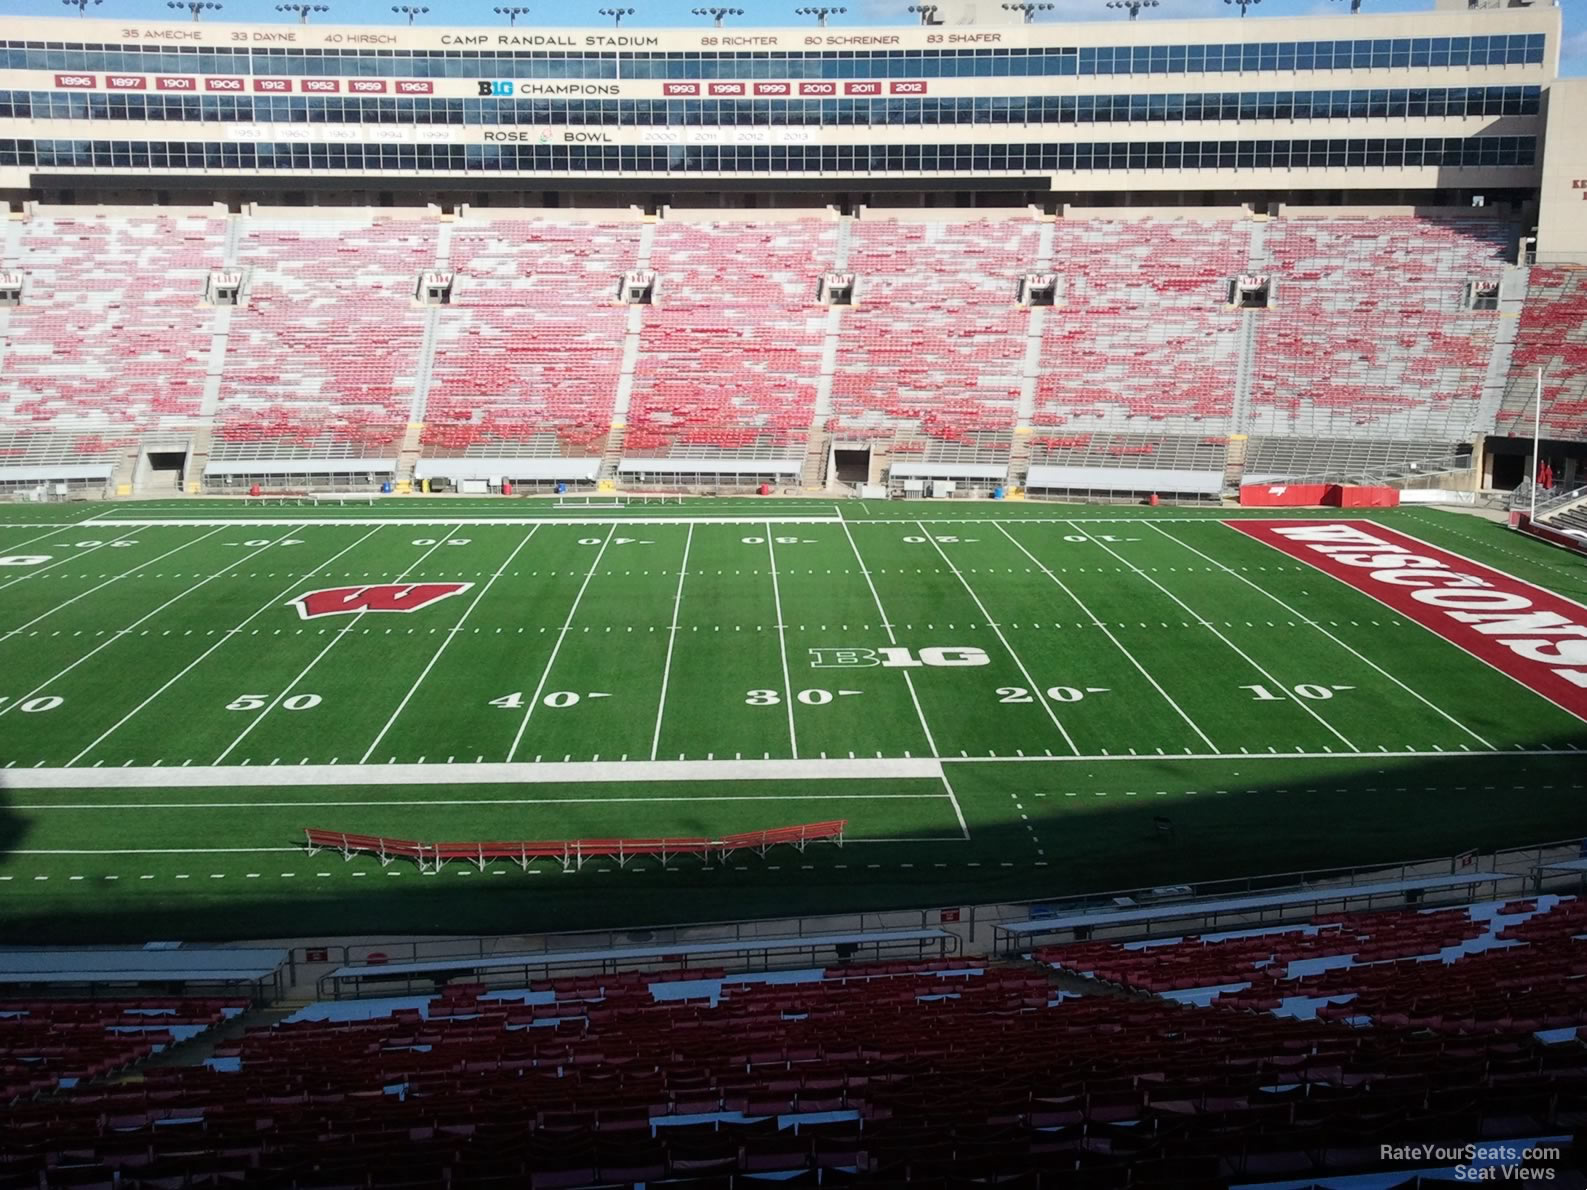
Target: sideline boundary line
{"points": [[489, 801], [618, 772]]}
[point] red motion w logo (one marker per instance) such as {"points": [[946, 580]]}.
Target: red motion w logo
{"points": [[389, 597]]}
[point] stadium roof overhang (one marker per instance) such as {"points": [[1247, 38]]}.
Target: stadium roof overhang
{"points": [[1125, 479], [510, 469], [56, 473], [711, 466], [210, 965], [948, 471], [302, 467]]}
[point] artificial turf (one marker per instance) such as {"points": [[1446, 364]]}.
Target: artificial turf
{"points": [[1138, 665]]}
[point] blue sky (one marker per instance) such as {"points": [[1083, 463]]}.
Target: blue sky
{"points": [[762, 12]]}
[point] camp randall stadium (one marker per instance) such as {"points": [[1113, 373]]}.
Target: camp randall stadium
{"points": [[978, 598]]}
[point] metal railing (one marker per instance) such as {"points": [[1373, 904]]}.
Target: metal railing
{"points": [[1520, 866]]}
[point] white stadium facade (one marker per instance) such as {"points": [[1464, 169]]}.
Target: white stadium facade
{"points": [[1101, 259]]}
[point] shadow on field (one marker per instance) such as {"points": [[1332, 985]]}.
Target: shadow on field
{"points": [[1379, 812]]}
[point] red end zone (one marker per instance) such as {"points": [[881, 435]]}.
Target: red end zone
{"points": [[1535, 636]]}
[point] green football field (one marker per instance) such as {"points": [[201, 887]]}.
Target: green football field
{"points": [[1002, 701]]}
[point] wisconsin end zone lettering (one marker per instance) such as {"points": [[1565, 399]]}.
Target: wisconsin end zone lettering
{"points": [[1535, 636]]}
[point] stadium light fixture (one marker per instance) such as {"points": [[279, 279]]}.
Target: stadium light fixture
{"points": [[1029, 10], [81, 5], [303, 10], [1244, 4], [512, 13], [1134, 6], [194, 6], [927, 12], [718, 13], [409, 10], [617, 14], [820, 14]]}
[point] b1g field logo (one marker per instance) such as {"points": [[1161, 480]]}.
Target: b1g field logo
{"points": [[896, 657], [386, 597]]}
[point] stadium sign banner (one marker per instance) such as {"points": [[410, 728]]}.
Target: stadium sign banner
{"points": [[1531, 634]]}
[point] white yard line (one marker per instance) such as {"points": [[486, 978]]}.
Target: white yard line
{"points": [[492, 801], [1106, 631], [992, 624], [574, 772], [70, 558], [226, 636], [672, 637], [446, 641], [639, 772], [119, 633], [782, 644], [336, 638], [1211, 627], [892, 639], [1313, 623], [456, 522], [108, 582], [567, 626]]}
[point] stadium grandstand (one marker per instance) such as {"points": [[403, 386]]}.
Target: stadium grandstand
{"points": [[947, 598], [1143, 259]]}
